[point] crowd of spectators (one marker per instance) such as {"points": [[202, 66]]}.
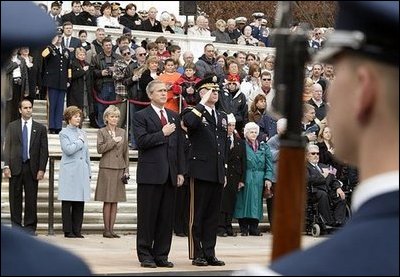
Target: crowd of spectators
{"points": [[100, 73]]}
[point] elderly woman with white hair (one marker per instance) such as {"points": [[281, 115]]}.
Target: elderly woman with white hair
{"points": [[259, 173]]}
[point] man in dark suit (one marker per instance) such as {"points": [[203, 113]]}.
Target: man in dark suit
{"points": [[327, 189], [24, 170], [160, 170], [365, 120], [69, 42], [207, 130]]}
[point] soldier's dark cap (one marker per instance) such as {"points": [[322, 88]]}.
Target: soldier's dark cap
{"points": [[15, 32], [209, 82], [97, 4], [367, 28], [59, 31]]}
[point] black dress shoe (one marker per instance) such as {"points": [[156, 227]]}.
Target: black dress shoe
{"points": [[200, 262], [79, 236], [214, 261], [244, 234], [69, 235], [148, 263], [164, 263], [231, 233]]}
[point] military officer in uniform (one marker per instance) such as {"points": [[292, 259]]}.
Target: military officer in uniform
{"points": [[56, 77], [207, 131]]}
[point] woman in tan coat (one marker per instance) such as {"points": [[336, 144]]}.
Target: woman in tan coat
{"points": [[112, 143]]}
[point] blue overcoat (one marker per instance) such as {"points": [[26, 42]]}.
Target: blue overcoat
{"points": [[75, 173]]}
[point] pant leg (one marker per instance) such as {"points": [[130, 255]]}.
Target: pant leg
{"points": [[197, 212], [77, 216], [339, 209], [222, 227], [59, 109], [164, 223], [148, 203], [324, 207], [66, 212], [244, 225], [15, 199], [228, 223], [210, 221], [52, 98], [179, 221], [253, 226], [31, 190]]}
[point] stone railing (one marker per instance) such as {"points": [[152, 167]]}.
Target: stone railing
{"points": [[193, 44]]}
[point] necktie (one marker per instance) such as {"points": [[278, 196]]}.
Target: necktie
{"points": [[230, 142], [25, 143], [67, 43], [163, 119], [213, 115]]}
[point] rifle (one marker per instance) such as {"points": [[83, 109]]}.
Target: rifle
{"points": [[290, 193]]}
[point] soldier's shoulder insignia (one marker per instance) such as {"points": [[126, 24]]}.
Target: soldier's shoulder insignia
{"points": [[45, 52]]}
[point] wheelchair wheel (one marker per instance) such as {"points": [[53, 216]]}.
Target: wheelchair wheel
{"points": [[316, 230], [348, 213]]}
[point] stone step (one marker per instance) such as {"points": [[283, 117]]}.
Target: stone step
{"points": [[43, 196], [122, 217]]}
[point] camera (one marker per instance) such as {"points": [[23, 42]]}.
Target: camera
{"points": [[125, 179]]}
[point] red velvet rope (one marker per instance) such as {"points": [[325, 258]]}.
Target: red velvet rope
{"points": [[114, 102]]}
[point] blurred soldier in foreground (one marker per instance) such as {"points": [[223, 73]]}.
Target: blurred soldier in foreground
{"points": [[365, 116]]}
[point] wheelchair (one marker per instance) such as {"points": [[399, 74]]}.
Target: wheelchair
{"points": [[315, 224]]}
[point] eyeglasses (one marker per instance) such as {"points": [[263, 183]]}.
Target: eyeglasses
{"points": [[266, 79], [126, 53], [314, 153], [141, 54]]}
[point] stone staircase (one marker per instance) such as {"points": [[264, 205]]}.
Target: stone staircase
{"points": [[93, 216]]}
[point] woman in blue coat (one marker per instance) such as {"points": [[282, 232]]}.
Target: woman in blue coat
{"points": [[259, 173], [75, 173]]}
